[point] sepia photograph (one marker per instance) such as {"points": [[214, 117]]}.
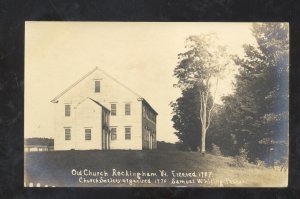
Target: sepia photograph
{"points": [[156, 104]]}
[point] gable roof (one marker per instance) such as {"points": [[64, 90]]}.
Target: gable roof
{"points": [[99, 104], [95, 101], [55, 100]]}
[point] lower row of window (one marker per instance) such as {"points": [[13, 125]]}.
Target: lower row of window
{"points": [[88, 133]]}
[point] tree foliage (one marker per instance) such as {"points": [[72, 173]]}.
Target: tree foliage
{"points": [[255, 116], [203, 61], [186, 119], [198, 71]]}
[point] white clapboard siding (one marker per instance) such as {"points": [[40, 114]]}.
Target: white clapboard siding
{"points": [[86, 113]]}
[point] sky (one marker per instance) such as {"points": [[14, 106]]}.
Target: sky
{"points": [[141, 55]]}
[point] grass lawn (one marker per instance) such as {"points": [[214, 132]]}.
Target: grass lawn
{"points": [[55, 168]]}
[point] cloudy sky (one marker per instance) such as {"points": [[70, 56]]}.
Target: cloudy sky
{"points": [[140, 55]]}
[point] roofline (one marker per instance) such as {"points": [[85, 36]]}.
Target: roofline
{"points": [[99, 104], [147, 103], [117, 81], [55, 100]]}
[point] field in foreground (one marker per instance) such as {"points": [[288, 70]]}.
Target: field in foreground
{"points": [[138, 168]]}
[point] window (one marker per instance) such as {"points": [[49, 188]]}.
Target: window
{"points": [[97, 86], [127, 133], [127, 109], [67, 110], [67, 134], [113, 132], [88, 134], [113, 109]]}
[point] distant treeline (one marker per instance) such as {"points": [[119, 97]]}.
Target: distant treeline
{"points": [[39, 141], [166, 146]]}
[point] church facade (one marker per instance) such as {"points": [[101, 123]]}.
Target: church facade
{"points": [[98, 112]]}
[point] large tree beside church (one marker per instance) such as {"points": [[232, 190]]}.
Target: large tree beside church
{"points": [[198, 71], [255, 116]]}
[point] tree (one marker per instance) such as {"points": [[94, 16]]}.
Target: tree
{"points": [[256, 114], [186, 118], [222, 128], [200, 67]]}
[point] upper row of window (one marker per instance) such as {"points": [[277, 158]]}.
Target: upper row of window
{"points": [[113, 109]]}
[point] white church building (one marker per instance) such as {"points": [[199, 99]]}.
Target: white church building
{"points": [[99, 112]]}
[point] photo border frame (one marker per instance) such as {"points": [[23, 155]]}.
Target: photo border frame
{"points": [[15, 13]]}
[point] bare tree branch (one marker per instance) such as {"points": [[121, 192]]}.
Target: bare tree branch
{"points": [[213, 105], [201, 107]]}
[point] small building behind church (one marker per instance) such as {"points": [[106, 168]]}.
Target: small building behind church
{"points": [[98, 112], [38, 144]]}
